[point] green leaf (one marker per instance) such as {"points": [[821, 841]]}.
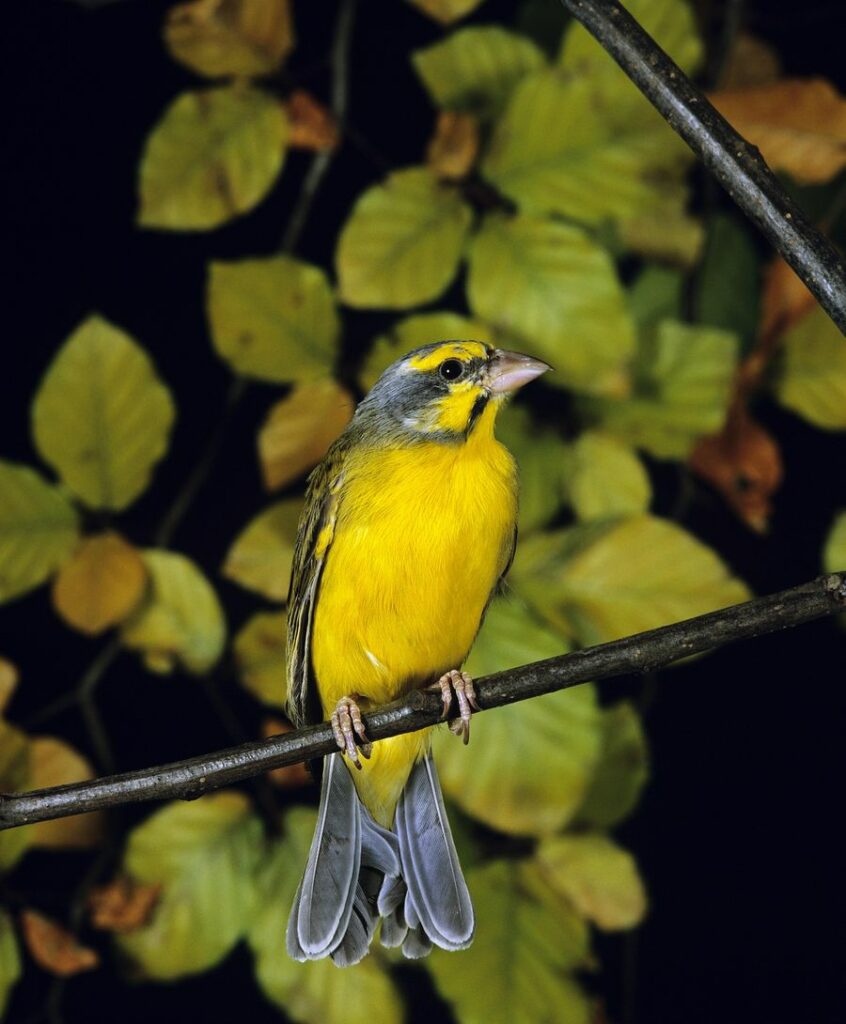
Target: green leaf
{"points": [[181, 622], [599, 879], [10, 959], [565, 146], [446, 11], [602, 581], [38, 530], [101, 417], [259, 650], [623, 768], [273, 319], [403, 241], [531, 763], [607, 478], [834, 554], [516, 970], [542, 459], [315, 992], [476, 68], [729, 280], [414, 331], [657, 294], [682, 382], [812, 382], [204, 855], [15, 775], [552, 287], [214, 155], [263, 553]]}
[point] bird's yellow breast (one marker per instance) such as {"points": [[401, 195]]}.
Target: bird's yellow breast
{"points": [[422, 535]]}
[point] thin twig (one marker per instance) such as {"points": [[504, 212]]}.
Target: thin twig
{"points": [[635, 654], [737, 165]]}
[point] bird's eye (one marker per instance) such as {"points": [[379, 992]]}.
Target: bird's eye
{"points": [[451, 369]]}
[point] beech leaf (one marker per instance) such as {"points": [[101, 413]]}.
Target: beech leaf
{"points": [[812, 381], [263, 553], [53, 947], [446, 11], [834, 554], [606, 478], [55, 763], [10, 959], [260, 657], [622, 771]]}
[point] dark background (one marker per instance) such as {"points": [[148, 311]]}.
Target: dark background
{"points": [[739, 835]]}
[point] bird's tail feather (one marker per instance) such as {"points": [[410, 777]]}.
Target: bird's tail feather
{"points": [[359, 872]]}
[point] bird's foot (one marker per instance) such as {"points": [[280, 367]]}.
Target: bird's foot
{"points": [[346, 725], [461, 685]]}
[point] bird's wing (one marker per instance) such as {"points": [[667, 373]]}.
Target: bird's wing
{"points": [[314, 539]]}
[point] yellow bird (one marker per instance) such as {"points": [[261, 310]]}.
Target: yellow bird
{"points": [[409, 525]]}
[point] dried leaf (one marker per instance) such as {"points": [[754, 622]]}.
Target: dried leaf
{"points": [[263, 553], [100, 585], [55, 763], [123, 905], [785, 300], [744, 463], [260, 657], [299, 429], [312, 125], [446, 11], [230, 37], [752, 61], [291, 776], [8, 682], [53, 947], [799, 124], [452, 150]]}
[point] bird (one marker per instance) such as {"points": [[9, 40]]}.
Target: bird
{"points": [[408, 528]]}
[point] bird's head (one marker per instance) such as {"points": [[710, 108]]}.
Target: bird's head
{"points": [[444, 391]]}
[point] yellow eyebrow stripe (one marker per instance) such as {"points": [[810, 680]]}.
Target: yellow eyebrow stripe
{"points": [[465, 351]]}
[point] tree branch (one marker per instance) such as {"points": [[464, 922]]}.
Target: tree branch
{"points": [[640, 653], [737, 165]]}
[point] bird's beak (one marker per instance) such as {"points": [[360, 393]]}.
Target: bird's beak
{"points": [[508, 371]]}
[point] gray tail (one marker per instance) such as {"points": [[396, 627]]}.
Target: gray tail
{"points": [[358, 872]]}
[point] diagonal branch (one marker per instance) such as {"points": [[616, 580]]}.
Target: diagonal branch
{"points": [[737, 165], [640, 653]]}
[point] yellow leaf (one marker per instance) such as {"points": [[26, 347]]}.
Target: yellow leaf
{"points": [[622, 771], [230, 37], [531, 763], [203, 855], [262, 555], [446, 11], [315, 992], [517, 970], [273, 318], [100, 585], [599, 878], [475, 68], [834, 554], [812, 381], [299, 429], [259, 650], [181, 622], [55, 763], [101, 417], [452, 150], [798, 124], [607, 478], [38, 529], [15, 773], [214, 155], [10, 959], [556, 291], [8, 682], [54, 948], [402, 243], [602, 581]]}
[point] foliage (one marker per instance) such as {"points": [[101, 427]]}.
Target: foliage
{"points": [[551, 216]]}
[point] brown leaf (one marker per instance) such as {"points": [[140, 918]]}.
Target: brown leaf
{"points": [[784, 302], [101, 584], [751, 62], [8, 682], [123, 905], [744, 463], [798, 124], [55, 763], [311, 124], [299, 429], [53, 947], [230, 37], [291, 776], [453, 148]]}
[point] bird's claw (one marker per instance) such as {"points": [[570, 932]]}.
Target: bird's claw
{"points": [[461, 685], [346, 725]]}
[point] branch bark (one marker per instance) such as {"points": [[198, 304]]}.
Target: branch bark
{"points": [[642, 652], [736, 164]]}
